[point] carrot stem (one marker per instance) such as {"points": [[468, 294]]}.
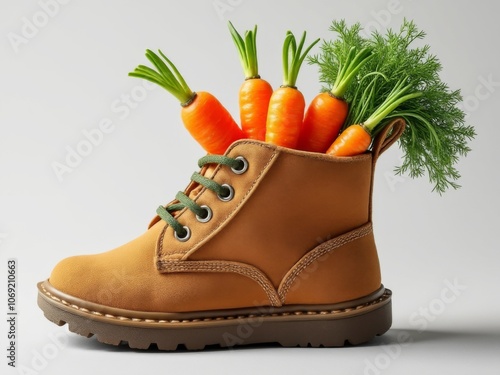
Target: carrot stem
{"points": [[247, 50], [167, 76], [293, 57], [349, 69], [395, 98]]}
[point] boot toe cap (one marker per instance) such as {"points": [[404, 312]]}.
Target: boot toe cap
{"points": [[73, 276]]}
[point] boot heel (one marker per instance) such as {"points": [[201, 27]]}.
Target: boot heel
{"points": [[352, 326]]}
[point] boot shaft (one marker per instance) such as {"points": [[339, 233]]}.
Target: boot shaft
{"points": [[286, 205]]}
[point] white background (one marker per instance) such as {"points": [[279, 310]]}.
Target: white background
{"points": [[70, 73]]}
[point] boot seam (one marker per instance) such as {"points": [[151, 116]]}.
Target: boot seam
{"points": [[98, 314], [224, 266], [318, 252]]}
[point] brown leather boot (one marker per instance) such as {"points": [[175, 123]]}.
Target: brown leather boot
{"points": [[266, 244]]}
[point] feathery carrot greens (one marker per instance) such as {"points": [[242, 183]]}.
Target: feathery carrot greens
{"points": [[436, 134]]}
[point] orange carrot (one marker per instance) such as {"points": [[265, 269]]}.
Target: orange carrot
{"points": [[328, 110], [254, 96], [356, 139], [324, 118], [203, 115], [284, 117], [255, 92], [287, 104], [210, 123]]}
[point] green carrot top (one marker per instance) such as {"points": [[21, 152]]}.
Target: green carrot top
{"points": [[247, 49], [166, 75], [293, 57]]}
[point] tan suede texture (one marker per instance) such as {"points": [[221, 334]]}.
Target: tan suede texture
{"points": [[340, 274], [127, 278], [292, 210], [298, 231]]}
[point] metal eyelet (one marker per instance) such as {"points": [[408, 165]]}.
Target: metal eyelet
{"points": [[184, 238], [229, 195], [208, 215], [244, 166]]}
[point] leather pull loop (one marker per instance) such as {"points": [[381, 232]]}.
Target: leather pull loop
{"points": [[387, 136]]}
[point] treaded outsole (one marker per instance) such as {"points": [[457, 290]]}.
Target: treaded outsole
{"points": [[312, 327]]}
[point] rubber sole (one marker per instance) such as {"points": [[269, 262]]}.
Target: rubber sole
{"points": [[353, 322]]}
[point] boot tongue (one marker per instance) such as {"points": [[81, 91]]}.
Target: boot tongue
{"points": [[194, 188]]}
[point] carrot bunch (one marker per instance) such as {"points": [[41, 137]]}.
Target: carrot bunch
{"points": [[274, 116], [369, 80]]}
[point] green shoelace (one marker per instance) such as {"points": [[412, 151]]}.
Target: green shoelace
{"points": [[203, 213]]}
